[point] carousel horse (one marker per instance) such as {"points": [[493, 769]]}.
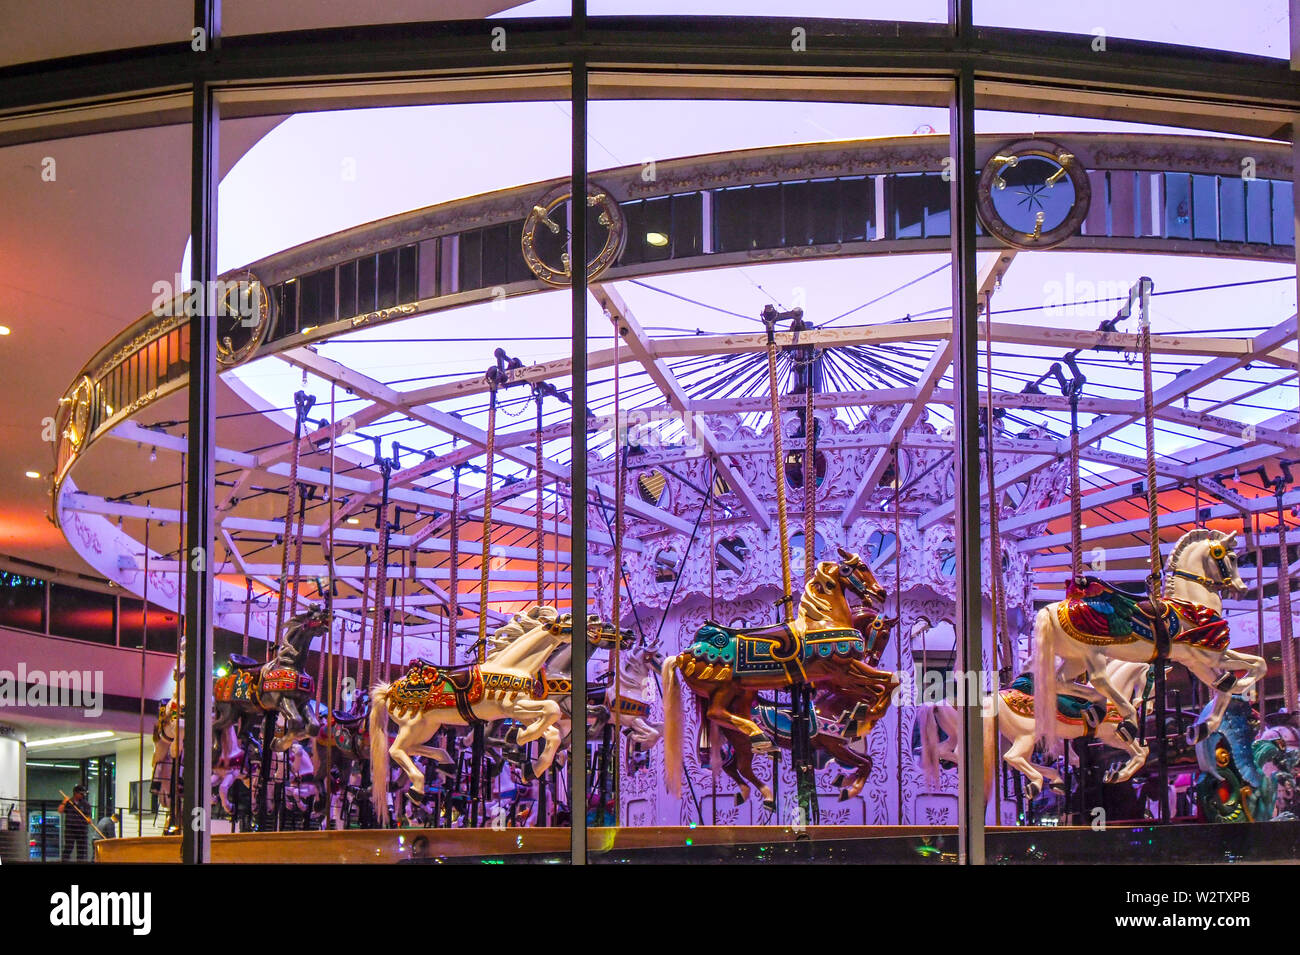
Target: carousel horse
{"points": [[300, 788], [823, 645], [1096, 622], [340, 750], [629, 707], [1234, 784], [166, 750], [227, 765], [509, 685], [1015, 722], [280, 686], [836, 720]]}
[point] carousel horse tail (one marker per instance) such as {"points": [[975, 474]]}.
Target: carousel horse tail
{"points": [[379, 752], [715, 747], [930, 745], [990, 719], [672, 691], [1044, 669]]}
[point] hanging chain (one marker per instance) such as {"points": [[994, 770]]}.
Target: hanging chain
{"points": [[541, 534], [1154, 587], [363, 669], [377, 628], [997, 585], [809, 477], [487, 522], [288, 519], [453, 567], [779, 451], [1289, 681]]}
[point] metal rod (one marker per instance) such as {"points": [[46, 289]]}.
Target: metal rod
{"points": [[578, 468], [967, 526], [144, 641], [204, 176]]}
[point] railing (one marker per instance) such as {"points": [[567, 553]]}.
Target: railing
{"points": [[34, 830]]}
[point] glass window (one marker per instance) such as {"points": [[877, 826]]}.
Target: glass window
{"points": [[1261, 30], [1178, 205], [82, 614], [1232, 209], [22, 602]]}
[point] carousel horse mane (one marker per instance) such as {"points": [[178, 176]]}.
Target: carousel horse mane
{"points": [[1194, 536], [813, 605]]}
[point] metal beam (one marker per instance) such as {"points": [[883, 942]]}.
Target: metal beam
{"points": [[1182, 385], [966, 501], [906, 417], [639, 343], [195, 799]]}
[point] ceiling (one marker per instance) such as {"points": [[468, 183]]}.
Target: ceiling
{"points": [[79, 257], [32, 30]]}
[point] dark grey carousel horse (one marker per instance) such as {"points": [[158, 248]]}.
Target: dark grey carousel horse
{"points": [[280, 686]]}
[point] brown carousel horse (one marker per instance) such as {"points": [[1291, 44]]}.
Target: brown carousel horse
{"points": [[278, 686], [836, 718], [823, 646]]}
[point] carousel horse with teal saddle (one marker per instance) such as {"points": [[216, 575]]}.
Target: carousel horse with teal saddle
{"points": [[1234, 784], [835, 720], [1096, 622], [1076, 717], [822, 646]]}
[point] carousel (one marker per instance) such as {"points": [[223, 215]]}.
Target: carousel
{"points": [[767, 543]]}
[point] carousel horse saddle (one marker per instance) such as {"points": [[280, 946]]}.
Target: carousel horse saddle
{"points": [[459, 676], [1100, 614], [239, 661], [770, 648], [1020, 697], [348, 719], [429, 686]]}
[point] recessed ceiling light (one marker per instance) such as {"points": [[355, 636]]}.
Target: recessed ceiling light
{"points": [[656, 238], [4, 329], [354, 520], [78, 738], [34, 475]]}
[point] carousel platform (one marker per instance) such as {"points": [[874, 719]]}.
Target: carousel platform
{"points": [[525, 845], [1193, 843]]}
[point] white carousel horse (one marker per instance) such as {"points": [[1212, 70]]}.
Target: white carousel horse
{"points": [[228, 766], [1097, 623], [504, 687], [629, 707], [1015, 721], [300, 789]]}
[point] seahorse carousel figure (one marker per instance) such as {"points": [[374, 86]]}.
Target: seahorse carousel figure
{"points": [[1239, 773]]}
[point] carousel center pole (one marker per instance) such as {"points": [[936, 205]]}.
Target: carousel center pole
{"points": [[1155, 588]]}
